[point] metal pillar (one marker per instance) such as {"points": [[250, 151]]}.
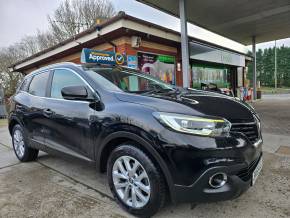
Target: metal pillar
{"points": [[254, 68], [275, 73], [184, 44]]}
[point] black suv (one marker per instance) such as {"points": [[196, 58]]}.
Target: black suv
{"points": [[154, 140]]}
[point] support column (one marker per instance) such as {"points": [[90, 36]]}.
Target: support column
{"points": [[184, 44], [275, 73], [254, 68]]}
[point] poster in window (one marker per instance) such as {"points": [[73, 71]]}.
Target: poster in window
{"points": [[240, 76], [160, 66], [132, 61]]}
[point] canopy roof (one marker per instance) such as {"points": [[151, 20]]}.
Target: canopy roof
{"points": [[238, 20]]}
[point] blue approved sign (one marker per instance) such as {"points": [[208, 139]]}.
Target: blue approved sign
{"points": [[102, 57]]}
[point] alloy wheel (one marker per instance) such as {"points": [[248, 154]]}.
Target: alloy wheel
{"points": [[18, 142], [131, 182]]}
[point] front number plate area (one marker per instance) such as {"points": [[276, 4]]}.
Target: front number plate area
{"points": [[257, 171]]}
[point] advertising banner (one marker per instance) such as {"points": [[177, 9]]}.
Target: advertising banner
{"points": [[132, 61], [102, 57], [161, 66]]}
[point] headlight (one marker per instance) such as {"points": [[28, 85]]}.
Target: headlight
{"points": [[194, 124]]}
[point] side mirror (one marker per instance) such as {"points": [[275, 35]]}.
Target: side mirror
{"points": [[75, 93]]}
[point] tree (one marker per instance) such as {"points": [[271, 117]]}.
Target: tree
{"points": [[10, 81], [69, 19], [27, 46], [45, 40], [283, 71], [266, 67], [72, 17]]}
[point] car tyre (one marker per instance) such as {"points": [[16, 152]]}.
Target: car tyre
{"points": [[147, 203], [20, 146]]}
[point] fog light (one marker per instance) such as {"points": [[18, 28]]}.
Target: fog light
{"points": [[218, 180]]}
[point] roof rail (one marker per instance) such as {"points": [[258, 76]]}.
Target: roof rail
{"points": [[53, 65]]}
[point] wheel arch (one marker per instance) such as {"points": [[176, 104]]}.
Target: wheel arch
{"points": [[117, 138], [12, 122]]}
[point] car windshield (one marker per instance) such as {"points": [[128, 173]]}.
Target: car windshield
{"points": [[127, 80]]}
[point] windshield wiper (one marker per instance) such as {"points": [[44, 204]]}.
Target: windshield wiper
{"points": [[167, 92], [155, 91]]}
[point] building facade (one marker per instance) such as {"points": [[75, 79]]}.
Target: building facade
{"points": [[152, 49]]}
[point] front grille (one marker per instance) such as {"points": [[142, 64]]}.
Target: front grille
{"points": [[250, 130], [246, 173]]}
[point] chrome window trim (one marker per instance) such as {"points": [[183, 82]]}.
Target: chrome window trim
{"points": [[58, 99], [37, 73]]}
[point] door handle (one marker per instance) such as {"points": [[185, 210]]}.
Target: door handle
{"points": [[47, 112]]}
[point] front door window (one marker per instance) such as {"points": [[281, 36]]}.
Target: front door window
{"points": [[63, 78]]}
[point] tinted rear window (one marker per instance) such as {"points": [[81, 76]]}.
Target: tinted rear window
{"points": [[38, 84], [24, 85]]}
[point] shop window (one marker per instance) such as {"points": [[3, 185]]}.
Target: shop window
{"points": [[160, 66], [132, 83], [208, 75]]}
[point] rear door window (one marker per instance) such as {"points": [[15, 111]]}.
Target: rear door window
{"points": [[24, 85], [38, 84]]}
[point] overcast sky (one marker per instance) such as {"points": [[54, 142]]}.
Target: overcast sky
{"points": [[23, 17]]}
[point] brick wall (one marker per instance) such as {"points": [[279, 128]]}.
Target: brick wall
{"points": [[124, 46]]}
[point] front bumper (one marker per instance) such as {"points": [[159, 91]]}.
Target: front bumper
{"points": [[192, 160], [239, 180]]}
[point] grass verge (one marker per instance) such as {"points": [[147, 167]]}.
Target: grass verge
{"points": [[271, 90]]}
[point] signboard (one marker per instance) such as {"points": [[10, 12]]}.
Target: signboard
{"points": [[161, 66], [132, 61], [215, 55], [102, 57]]}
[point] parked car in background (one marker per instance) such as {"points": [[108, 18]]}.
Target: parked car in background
{"points": [[154, 140]]}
